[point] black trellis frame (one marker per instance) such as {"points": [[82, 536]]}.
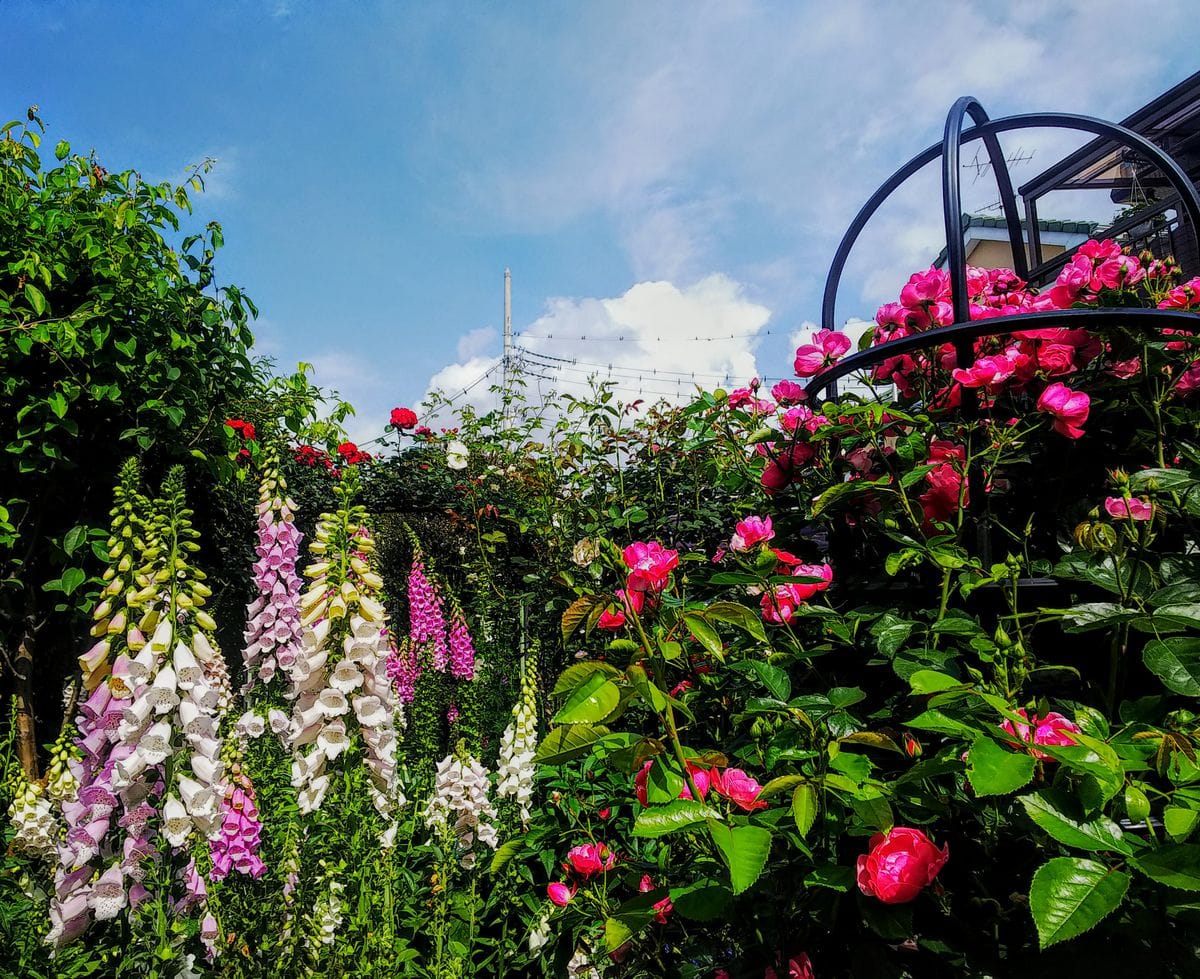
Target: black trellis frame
{"points": [[963, 331]]}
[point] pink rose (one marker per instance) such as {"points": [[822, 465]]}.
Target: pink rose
{"points": [[739, 788], [560, 893], [1053, 729], [590, 858], [1120, 508], [827, 347], [899, 865], [610, 620], [1069, 408], [649, 565], [788, 392], [663, 907], [749, 532]]}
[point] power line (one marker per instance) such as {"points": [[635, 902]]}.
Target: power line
{"points": [[641, 339]]}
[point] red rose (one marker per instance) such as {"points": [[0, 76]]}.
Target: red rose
{"points": [[404, 418], [899, 865]]}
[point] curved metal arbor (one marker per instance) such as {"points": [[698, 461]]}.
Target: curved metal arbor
{"points": [[963, 332]]}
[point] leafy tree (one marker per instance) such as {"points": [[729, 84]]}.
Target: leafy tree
{"points": [[114, 338]]}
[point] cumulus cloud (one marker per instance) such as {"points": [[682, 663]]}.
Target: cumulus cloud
{"points": [[656, 340]]}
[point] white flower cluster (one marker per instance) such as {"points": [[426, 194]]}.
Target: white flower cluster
{"points": [[460, 802], [581, 967], [340, 678], [327, 915], [180, 690], [519, 743], [32, 818]]}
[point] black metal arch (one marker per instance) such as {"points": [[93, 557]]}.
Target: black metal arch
{"points": [[986, 130]]}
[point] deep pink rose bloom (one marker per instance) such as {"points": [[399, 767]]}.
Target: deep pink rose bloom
{"points": [[1053, 730], [1125, 369], [749, 532], [560, 894], [649, 565], [1069, 408], [590, 858], [788, 392], [1189, 380], [925, 288], [739, 788], [799, 967], [663, 907], [899, 865], [778, 474], [610, 620], [1120, 508], [827, 347]]}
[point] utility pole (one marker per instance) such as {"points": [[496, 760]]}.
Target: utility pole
{"points": [[507, 356]]}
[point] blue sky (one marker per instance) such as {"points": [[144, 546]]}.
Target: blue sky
{"points": [[651, 172]]}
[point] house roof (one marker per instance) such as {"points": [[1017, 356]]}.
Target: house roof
{"points": [[1046, 226]]}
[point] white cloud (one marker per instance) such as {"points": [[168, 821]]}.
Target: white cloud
{"points": [[657, 340], [475, 343]]}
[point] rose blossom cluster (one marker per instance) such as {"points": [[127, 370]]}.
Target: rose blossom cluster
{"points": [[460, 804], [731, 783], [583, 862], [272, 633], [340, 678]]}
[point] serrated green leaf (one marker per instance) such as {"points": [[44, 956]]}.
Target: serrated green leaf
{"points": [[576, 673], [504, 853], [36, 297], [931, 681], [993, 770], [744, 849], [738, 615], [1050, 812], [1175, 661], [705, 902], [567, 742], [1070, 895], [1175, 864], [655, 821], [804, 807], [704, 634], [593, 700]]}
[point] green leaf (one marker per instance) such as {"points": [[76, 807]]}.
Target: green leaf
{"points": [[770, 676], [704, 634], [1176, 865], [1092, 757], [72, 578], [744, 849], [738, 615], [1070, 895], [504, 853], [567, 742], [62, 149], [1162, 479], [616, 934], [833, 876], [36, 298], [804, 807], [931, 681], [1179, 822], [74, 539], [704, 902], [593, 700], [655, 821], [1175, 661], [576, 673], [1095, 615], [783, 783], [1048, 810], [994, 770]]}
